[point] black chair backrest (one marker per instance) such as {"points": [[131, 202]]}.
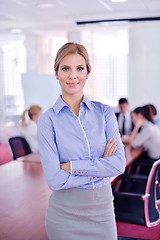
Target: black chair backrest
{"points": [[19, 146]]}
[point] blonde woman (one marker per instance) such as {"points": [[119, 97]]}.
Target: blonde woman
{"points": [[80, 149], [29, 128]]}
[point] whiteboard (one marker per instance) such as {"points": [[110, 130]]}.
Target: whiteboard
{"points": [[40, 89]]}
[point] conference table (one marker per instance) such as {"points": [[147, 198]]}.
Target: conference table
{"points": [[23, 201], [24, 197]]}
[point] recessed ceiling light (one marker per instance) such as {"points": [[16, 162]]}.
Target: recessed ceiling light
{"points": [[45, 5], [118, 1]]}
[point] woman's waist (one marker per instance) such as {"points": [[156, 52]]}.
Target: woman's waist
{"points": [[83, 195]]}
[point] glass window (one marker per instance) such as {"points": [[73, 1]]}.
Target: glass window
{"points": [[14, 64], [108, 48]]}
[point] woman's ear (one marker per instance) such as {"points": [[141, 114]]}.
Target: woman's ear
{"points": [[56, 74]]}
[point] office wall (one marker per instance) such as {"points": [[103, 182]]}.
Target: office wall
{"points": [[144, 63]]}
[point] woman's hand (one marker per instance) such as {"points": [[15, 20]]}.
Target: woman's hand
{"points": [[66, 167], [125, 139], [110, 148], [139, 123]]}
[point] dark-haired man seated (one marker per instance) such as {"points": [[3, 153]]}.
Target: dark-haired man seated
{"points": [[124, 117]]}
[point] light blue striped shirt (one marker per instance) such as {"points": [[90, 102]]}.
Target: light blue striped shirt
{"points": [[64, 137]]}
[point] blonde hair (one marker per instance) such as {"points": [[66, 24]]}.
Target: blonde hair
{"points": [[33, 110], [71, 48]]}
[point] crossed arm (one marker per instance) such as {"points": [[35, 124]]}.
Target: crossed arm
{"points": [[59, 176], [110, 149]]}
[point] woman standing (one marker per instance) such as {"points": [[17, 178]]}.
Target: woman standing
{"points": [[80, 149]]}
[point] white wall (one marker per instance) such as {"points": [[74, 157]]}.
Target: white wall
{"points": [[144, 63]]}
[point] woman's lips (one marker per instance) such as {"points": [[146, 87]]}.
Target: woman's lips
{"points": [[72, 84]]}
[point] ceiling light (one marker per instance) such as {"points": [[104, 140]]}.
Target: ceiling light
{"points": [[45, 5], [118, 1]]}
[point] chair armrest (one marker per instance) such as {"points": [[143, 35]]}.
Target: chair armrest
{"points": [[131, 195], [136, 176]]}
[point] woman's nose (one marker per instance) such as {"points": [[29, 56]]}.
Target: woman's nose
{"points": [[72, 75]]}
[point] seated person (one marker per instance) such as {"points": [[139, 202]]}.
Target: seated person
{"points": [[29, 129], [153, 111], [124, 117], [145, 134]]}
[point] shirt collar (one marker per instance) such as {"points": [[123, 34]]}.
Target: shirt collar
{"points": [[127, 114], [86, 101], [146, 123], [59, 104]]}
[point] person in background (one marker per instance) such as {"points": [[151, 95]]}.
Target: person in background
{"points": [[124, 117], [29, 128], [145, 134], [80, 149], [153, 111]]}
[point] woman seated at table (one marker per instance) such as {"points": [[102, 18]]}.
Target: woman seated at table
{"points": [[153, 112], [145, 134], [29, 128]]}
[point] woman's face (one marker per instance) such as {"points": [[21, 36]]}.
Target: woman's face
{"points": [[134, 117], [36, 116], [72, 74]]}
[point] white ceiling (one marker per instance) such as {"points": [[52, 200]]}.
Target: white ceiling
{"points": [[30, 17]]}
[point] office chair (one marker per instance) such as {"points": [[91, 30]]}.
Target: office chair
{"points": [[19, 146], [136, 205], [142, 165]]}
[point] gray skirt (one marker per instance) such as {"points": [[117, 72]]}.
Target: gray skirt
{"points": [[76, 214]]}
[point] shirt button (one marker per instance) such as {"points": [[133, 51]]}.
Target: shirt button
{"points": [[74, 171], [79, 172], [90, 179]]}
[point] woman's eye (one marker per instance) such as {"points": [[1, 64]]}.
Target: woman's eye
{"points": [[80, 68], [64, 68]]}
